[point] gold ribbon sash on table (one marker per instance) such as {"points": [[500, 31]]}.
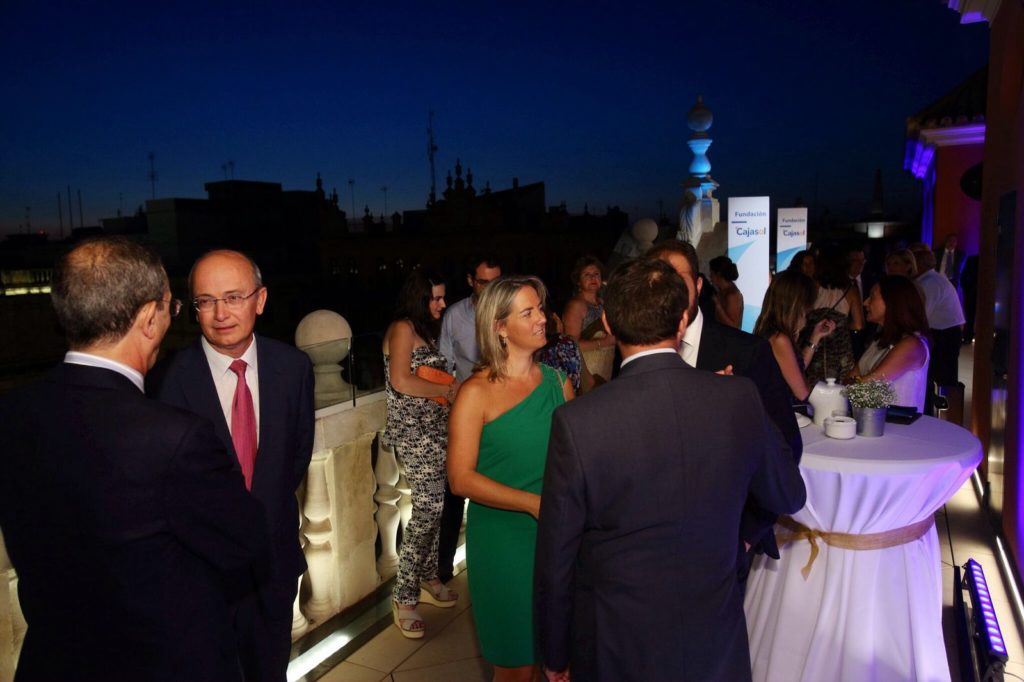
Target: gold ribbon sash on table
{"points": [[889, 538]]}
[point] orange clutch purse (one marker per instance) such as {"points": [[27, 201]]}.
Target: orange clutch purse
{"points": [[436, 376]]}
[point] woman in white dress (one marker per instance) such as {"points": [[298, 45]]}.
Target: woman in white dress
{"points": [[899, 353]]}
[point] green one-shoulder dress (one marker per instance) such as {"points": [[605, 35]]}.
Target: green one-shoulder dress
{"points": [[500, 544]]}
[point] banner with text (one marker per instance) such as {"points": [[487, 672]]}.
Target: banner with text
{"points": [[792, 236], [748, 249]]}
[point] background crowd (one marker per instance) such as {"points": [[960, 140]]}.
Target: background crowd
{"points": [[497, 399]]}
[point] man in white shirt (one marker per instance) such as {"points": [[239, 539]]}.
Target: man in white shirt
{"points": [[124, 518], [708, 345], [950, 261], [458, 345], [636, 555], [258, 393], [945, 318]]}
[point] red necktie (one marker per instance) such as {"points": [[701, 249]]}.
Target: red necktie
{"points": [[243, 424]]}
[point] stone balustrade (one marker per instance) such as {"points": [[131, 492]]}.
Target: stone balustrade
{"points": [[344, 502]]}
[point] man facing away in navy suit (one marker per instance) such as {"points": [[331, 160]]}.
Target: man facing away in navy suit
{"points": [[708, 345], [126, 519], [644, 487], [259, 395]]}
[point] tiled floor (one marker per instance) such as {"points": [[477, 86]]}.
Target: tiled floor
{"points": [[449, 651]]}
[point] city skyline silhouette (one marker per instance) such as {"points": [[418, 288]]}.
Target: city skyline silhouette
{"points": [[808, 102]]}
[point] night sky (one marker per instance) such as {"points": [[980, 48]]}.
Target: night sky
{"points": [[808, 97]]}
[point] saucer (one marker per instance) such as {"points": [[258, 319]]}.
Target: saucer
{"points": [[803, 420]]}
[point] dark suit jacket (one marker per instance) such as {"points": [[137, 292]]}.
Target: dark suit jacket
{"points": [[636, 545], [959, 258], [751, 357], [285, 434], [123, 518]]}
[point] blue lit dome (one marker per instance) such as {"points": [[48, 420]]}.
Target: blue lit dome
{"points": [[699, 118]]}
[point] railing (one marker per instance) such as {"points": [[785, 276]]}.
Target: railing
{"points": [[353, 493]]}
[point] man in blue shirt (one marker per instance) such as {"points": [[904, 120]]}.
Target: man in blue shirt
{"points": [[458, 345]]}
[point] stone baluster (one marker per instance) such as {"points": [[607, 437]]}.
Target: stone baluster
{"points": [[387, 513], [300, 625], [317, 531]]}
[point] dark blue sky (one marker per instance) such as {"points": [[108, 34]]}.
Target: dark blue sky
{"points": [[588, 97]]}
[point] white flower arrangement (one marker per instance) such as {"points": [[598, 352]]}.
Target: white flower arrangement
{"points": [[877, 393]]}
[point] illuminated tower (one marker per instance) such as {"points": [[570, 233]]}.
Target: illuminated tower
{"points": [[699, 210]]}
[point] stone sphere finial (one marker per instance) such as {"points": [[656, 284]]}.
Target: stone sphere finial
{"points": [[325, 336], [645, 231], [699, 118]]}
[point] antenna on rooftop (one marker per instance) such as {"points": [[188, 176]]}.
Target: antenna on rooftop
{"points": [[431, 148], [152, 174]]}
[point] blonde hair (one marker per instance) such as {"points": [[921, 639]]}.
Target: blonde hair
{"points": [[494, 306], [905, 257]]}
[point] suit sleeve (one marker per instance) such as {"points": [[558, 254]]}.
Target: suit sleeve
{"points": [[776, 486], [209, 510], [306, 424], [560, 528]]}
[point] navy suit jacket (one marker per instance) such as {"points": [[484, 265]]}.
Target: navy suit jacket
{"points": [[285, 436], [751, 357], [126, 521], [644, 487], [959, 258]]}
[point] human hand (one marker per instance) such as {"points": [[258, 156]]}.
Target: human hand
{"points": [[822, 329], [725, 371]]}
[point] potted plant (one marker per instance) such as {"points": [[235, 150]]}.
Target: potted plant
{"points": [[869, 400]]}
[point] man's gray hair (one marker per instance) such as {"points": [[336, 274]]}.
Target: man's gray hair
{"points": [[99, 286]]}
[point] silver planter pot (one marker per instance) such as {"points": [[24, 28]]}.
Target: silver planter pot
{"points": [[870, 421]]}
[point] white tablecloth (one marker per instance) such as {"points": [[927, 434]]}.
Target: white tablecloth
{"points": [[861, 615]]}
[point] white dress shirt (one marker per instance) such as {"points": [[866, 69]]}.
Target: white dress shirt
{"points": [[941, 302], [691, 339], [653, 351], [225, 380], [74, 357]]}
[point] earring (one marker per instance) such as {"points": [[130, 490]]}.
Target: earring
{"points": [[502, 340]]}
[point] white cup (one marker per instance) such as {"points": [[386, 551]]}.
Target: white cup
{"points": [[840, 427]]}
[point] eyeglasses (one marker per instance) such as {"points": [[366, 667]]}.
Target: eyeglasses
{"points": [[208, 303], [173, 305]]}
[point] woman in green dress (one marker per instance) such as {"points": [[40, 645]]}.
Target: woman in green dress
{"points": [[497, 445]]}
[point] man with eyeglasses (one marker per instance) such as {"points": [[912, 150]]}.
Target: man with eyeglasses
{"points": [[125, 518], [458, 345], [258, 393]]}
